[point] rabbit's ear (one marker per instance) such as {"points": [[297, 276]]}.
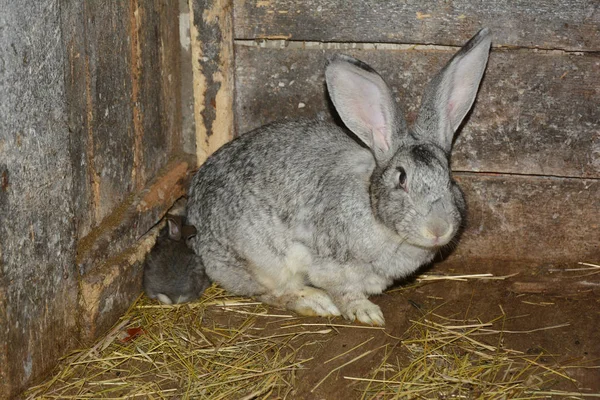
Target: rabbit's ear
{"points": [[364, 103], [174, 224], [188, 231], [451, 93]]}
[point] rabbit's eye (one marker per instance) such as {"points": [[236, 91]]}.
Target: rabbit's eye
{"points": [[401, 178]]}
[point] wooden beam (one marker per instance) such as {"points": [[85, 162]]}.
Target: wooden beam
{"points": [[550, 24], [211, 31]]}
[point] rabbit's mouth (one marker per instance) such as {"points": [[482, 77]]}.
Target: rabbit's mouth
{"points": [[435, 234], [432, 244]]}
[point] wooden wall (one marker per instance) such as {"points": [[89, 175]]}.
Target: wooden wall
{"points": [[528, 157], [91, 156]]}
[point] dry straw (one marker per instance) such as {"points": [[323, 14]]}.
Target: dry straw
{"points": [[203, 350], [443, 360], [225, 347]]}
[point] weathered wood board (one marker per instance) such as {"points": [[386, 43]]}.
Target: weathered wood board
{"points": [[123, 86], [112, 255], [90, 115], [38, 280], [211, 36], [549, 24], [523, 218], [109, 129], [536, 113]]}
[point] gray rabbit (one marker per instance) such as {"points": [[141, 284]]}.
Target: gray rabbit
{"points": [[308, 216], [173, 273]]}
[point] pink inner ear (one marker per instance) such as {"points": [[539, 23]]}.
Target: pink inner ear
{"points": [[380, 138], [376, 117], [450, 107], [461, 95], [364, 106]]}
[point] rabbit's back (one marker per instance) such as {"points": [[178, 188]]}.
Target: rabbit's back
{"points": [[290, 171]]}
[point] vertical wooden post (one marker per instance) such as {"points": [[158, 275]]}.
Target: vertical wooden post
{"points": [[211, 31]]}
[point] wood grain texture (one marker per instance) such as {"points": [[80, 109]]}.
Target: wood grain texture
{"points": [[38, 279], [159, 83], [556, 287], [86, 122], [536, 112], [170, 53], [135, 216], [536, 219], [111, 256], [124, 109], [550, 24], [211, 31], [110, 99]]}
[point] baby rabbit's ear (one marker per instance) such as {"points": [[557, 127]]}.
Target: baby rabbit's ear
{"points": [[451, 93], [188, 231], [174, 224], [365, 104]]}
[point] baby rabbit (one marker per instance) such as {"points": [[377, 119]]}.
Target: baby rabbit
{"points": [[172, 272], [308, 216]]}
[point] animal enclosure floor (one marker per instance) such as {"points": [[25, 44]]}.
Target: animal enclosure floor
{"points": [[525, 332]]}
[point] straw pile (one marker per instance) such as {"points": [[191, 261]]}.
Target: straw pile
{"points": [[443, 360], [225, 347], [211, 349]]}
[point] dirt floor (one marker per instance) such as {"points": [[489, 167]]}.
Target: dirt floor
{"points": [[534, 299], [542, 322]]}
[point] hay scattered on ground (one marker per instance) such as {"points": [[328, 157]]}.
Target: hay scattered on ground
{"points": [[440, 358], [226, 347], [160, 352]]}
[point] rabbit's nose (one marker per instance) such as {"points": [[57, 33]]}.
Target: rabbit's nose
{"points": [[438, 230]]}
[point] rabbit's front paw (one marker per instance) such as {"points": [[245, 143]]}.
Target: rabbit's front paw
{"points": [[312, 301], [364, 311]]}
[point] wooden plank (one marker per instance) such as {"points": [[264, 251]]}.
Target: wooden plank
{"points": [[123, 86], [155, 97], [211, 33], [110, 128], [38, 279], [549, 24], [169, 51], [186, 74], [560, 286], [537, 219], [135, 216], [77, 84], [90, 112], [536, 112]]}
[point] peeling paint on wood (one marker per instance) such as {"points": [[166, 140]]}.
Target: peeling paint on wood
{"points": [[551, 24], [211, 33]]}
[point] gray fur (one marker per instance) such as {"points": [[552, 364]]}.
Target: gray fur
{"points": [[300, 215], [173, 273]]}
